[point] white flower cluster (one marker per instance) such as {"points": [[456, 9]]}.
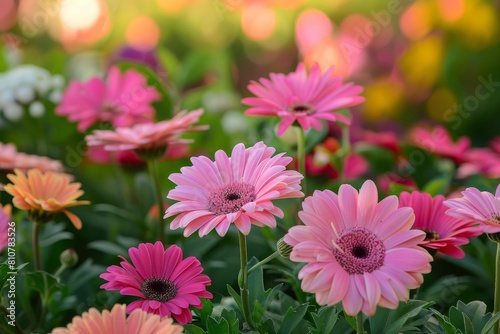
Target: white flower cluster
{"points": [[26, 86]]}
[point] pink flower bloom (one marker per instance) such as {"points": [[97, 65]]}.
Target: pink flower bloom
{"points": [[116, 321], [123, 100], [443, 233], [386, 139], [480, 207], [166, 283], [303, 98], [11, 159], [99, 155], [481, 161], [439, 142], [386, 181], [237, 189], [147, 136], [5, 219], [358, 251]]}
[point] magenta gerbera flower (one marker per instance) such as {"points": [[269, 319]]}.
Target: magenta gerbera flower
{"points": [[443, 233], [123, 100], [166, 283], [358, 251], [439, 142], [479, 207], [237, 189], [303, 98]]}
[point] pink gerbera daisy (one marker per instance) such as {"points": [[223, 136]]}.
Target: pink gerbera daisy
{"points": [[303, 98], [123, 100], [116, 322], [439, 142], [166, 284], [237, 189], [11, 159], [443, 233], [5, 219], [358, 251], [480, 207], [147, 137]]}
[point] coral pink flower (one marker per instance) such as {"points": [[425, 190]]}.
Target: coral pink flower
{"points": [[116, 321], [11, 159], [303, 98], [358, 251], [5, 219], [439, 142], [99, 155], [443, 233], [479, 207], [237, 189], [147, 136], [123, 100], [166, 283], [387, 139], [45, 194]]}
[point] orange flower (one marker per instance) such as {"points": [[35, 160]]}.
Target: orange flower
{"points": [[115, 321], [44, 194]]}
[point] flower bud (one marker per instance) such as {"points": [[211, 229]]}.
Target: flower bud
{"points": [[284, 249], [69, 258]]}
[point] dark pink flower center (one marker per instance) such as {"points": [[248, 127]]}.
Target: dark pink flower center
{"points": [[231, 197], [358, 250], [302, 108], [159, 289], [431, 235]]}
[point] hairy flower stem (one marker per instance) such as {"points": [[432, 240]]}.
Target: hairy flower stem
{"points": [[496, 307], [244, 281], [359, 324], [301, 156], [156, 184], [36, 247]]}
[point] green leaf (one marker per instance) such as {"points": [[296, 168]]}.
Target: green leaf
{"points": [[217, 326], [292, 318], [476, 312], [107, 247], [392, 321], [266, 327], [324, 320], [192, 329], [489, 325], [232, 319], [7, 271], [206, 311], [235, 296], [436, 186], [43, 282], [445, 322]]}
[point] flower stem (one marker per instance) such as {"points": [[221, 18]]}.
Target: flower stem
{"points": [[359, 323], [346, 149], [496, 307], [36, 247], [266, 260], [59, 271], [301, 156], [244, 283], [156, 183]]}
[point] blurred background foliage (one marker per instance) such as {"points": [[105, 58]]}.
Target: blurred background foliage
{"points": [[421, 62]]}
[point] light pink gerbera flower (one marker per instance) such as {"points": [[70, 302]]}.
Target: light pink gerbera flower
{"points": [[303, 98], [5, 218], [358, 251], [147, 136], [11, 159], [116, 321], [237, 189], [482, 161], [166, 283], [480, 207], [443, 233], [439, 142], [123, 100]]}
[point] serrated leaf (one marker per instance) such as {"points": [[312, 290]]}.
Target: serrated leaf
{"points": [[445, 322], [391, 321], [489, 325], [205, 311], [217, 326], [476, 312], [324, 320], [292, 318], [266, 327], [232, 319]]}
